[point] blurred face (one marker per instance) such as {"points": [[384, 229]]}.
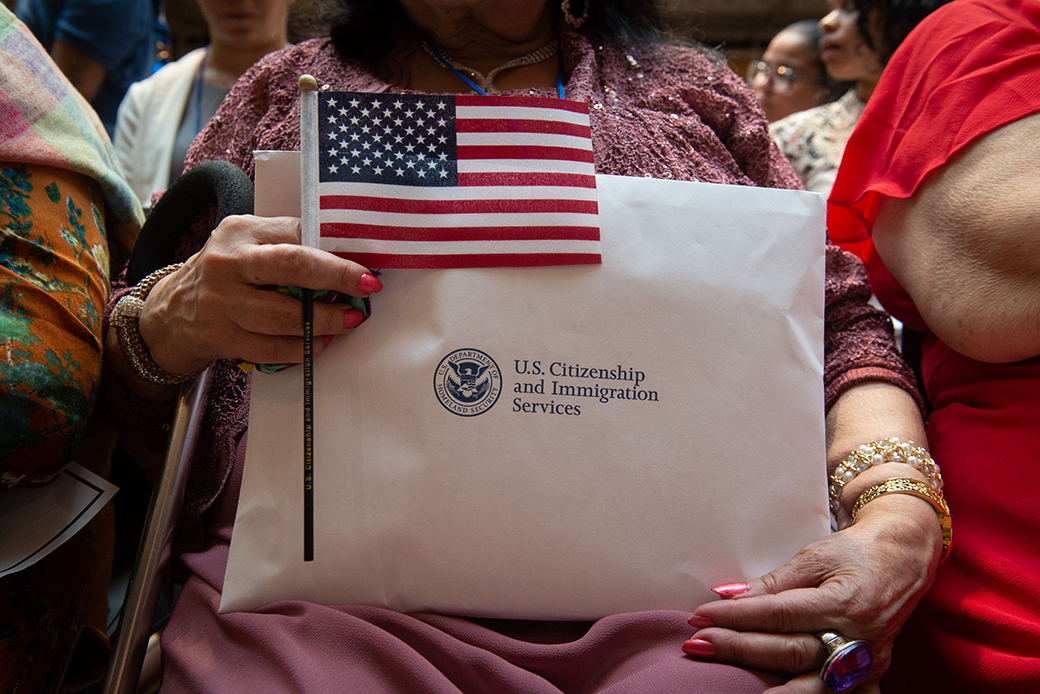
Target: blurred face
{"points": [[246, 24], [454, 24], [786, 80], [842, 47]]}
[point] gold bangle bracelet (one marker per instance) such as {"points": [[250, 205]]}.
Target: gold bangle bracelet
{"points": [[125, 319], [903, 485]]}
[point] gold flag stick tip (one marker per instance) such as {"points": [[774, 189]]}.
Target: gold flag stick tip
{"points": [[307, 83]]}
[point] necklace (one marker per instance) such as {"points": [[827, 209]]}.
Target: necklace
{"points": [[484, 84], [215, 78]]}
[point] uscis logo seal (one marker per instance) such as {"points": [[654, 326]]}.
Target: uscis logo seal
{"points": [[467, 382]]}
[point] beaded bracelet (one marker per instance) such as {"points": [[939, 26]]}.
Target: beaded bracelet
{"points": [[125, 319], [902, 485], [890, 450]]}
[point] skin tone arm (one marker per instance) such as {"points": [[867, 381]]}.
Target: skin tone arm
{"points": [[862, 582], [965, 246], [85, 73]]}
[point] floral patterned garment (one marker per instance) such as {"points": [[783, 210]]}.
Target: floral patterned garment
{"points": [[53, 286], [814, 140]]}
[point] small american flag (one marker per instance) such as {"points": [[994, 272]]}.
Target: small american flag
{"points": [[431, 181]]}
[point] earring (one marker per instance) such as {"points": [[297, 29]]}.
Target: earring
{"points": [[575, 22]]}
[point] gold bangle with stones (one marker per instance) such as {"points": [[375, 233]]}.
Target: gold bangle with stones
{"points": [[903, 485], [891, 450], [125, 318]]}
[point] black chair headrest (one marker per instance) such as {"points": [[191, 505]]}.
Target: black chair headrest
{"points": [[191, 195]]}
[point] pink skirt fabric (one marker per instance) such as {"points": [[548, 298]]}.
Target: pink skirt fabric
{"points": [[303, 647]]}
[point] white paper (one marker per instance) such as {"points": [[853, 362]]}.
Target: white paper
{"points": [[714, 293], [36, 521]]}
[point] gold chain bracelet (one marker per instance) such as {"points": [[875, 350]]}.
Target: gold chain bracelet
{"points": [[903, 485]]}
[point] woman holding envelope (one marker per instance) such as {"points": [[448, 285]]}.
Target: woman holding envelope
{"points": [[657, 110]]}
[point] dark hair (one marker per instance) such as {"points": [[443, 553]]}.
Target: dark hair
{"points": [[366, 28], [893, 21], [810, 30]]}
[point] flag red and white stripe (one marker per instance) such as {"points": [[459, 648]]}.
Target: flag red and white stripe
{"points": [[417, 181]]}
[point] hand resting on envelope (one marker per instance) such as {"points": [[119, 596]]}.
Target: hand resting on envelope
{"points": [[214, 306], [861, 582]]}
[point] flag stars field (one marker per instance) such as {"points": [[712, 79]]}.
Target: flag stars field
{"points": [[435, 181], [389, 133]]}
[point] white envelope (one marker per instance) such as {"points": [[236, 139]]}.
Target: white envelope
{"points": [[566, 504]]}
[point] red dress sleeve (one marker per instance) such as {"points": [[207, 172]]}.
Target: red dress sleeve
{"points": [[968, 69], [967, 72]]}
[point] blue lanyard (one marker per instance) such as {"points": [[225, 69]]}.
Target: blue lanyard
{"points": [[198, 93], [473, 85]]}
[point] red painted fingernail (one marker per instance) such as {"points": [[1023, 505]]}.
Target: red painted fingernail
{"points": [[327, 339], [352, 318], [729, 590], [369, 284], [699, 648], [699, 621]]}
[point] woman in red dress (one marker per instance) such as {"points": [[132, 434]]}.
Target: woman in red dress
{"points": [[937, 192]]}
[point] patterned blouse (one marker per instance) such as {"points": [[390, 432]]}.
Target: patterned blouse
{"points": [[53, 287], [814, 140]]}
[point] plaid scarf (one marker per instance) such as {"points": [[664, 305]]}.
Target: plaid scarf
{"points": [[45, 121]]}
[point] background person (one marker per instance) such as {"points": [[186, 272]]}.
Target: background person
{"points": [[938, 194], [102, 46], [858, 38], [160, 117], [791, 77], [672, 112]]}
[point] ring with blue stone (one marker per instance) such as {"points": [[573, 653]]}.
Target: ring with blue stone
{"points": [[848, 662]]}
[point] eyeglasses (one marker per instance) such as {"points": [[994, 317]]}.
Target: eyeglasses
{"points": [[781, 77]]}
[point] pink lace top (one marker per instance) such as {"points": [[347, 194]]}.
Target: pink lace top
{"points": [[658, 111]]}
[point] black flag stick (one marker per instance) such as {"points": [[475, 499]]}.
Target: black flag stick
{"points": [[309, 237]]}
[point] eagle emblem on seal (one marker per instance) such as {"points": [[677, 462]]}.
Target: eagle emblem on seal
{"points": [[468, 380]]}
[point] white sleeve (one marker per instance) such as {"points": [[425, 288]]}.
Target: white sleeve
{"points": [[128, 119]]}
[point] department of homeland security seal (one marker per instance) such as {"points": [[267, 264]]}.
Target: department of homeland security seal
{"points": [[467, 382]]}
